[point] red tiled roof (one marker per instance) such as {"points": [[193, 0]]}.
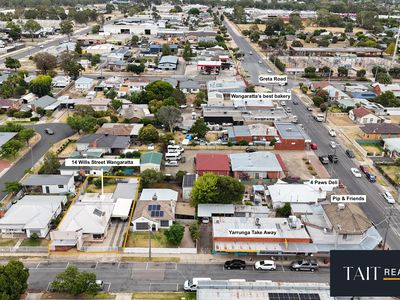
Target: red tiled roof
{"points": [[320, 84], [212, 162], [361, 112]]}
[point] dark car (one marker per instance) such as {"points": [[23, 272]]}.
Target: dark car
{"points": [[49, 131], [101, 77], [304, 265], [295, 102], [235, 264], [250, 149], [333, 158], [364, 169], [324, 159], [371, 177], [350, 153]]}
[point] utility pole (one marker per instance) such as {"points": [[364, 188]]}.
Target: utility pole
{"points": [[395, 48], [388, 221], [149, 242]]}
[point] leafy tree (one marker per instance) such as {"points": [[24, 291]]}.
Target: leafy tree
{"points": [[187, 52], [32, 26], [384, 78], [95, 59], [45, 62], [149, 177], [67, 27], [343, 72], [284, 212], [200, 98], [134, 40], [309, 72], [11, 148], [51, 164], [26, 134], [211, 188], [317, 100], [254, 36], [179, 176], [12, 187], [323, 107], [395, 72], [12, 63], [78, 49], [73, 282], [194, 231], [361, 74], [96, 29], [387, 99], [14, 31], [349, 27], [109, 8], [137, 69], [158, 89], [194, 11], [325, 71], [69, 63], [85, 123], [166, 50], [297, 43], [296, 21], [116, 104], [169, 116], [175, 233], [390, 48], [40, 85], [148, 134], [14, 280], [179, 96], [199, 128], [112, 94], [378, 69]]}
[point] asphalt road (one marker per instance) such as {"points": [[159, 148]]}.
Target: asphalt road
{"points": [[16, 172], [142, 276], [376, 207]]}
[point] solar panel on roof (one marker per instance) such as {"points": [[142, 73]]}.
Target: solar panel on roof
{"points": [[152, 213], [161, 213], [157, 213], [150, 208], [158, 207], [293, 296]]}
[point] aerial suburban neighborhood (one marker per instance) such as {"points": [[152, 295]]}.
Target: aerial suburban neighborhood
{"points": [[203, 149]]}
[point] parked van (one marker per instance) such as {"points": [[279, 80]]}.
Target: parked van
{"points": [[191, 284], [175, 148], [173, 156]]}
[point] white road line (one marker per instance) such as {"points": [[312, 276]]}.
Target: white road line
{"points": [[283, 269], [95, 267], [38, 265], [119, 265], [177, 287], [67, 265], [147, 266], [150, 287]]}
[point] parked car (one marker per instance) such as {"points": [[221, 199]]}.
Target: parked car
{"points": [[235, 264], [389, 198], [355, 172], [309, 108], [333, 158], [191, 284], [260, 62], [371, 177], [265, 265], [332, 144], [350, 153], [171, 163], [205, 220], [295, 102], [304, 265], [364, 169], [283, 103], [332, 132], [250, 149], [314, 146], [49, 131], [269, 71], [100, 284], [288, 109], [324, 159]]}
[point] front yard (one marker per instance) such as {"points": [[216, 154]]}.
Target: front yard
{"points": [[34, 243], [372, 148], [8, 242], [393, 172], [141, 240]]}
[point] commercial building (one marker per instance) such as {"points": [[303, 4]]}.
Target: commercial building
{"points": [[291, 137], [328, 51], [251, 133], [212, 163]]}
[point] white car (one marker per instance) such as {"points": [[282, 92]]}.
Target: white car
{"points": [[356, 172], [283, 103], [269, 71], [260, 62], [389, 198], [332, 132], [265, 265], [332, 144], [150, 147], [171, 163]]}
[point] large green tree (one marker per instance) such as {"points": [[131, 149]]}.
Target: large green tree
{"points": [[73, 282], [212, 188], [13, 280], [45, 62], [51, 164], [67, 27], [169, 116], [174, 234], [32, 26], [148, 134], [84, 123], [12, 63], [41, 85], [199, 128]]}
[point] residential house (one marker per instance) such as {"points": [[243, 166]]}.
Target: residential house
{"points": [[154, 210], [135, 112], [392, 145], [117, 65], [291, 137], [28, 98], [380, 131], [150, 160], [257, 165], [46, 103], [137, 84], [361, 115], [8, 104], [61, 81], [189, 86], [380, 88], [49, 184], [109, 144], [168, 62], [98, 104], [318, 85], [363, 95], [84, 84], [187, 185], [120, 129], [355, 88], [334, 93], [216, 163], [32, 214]]}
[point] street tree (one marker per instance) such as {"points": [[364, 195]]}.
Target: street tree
{"points": [[211, 188], [11, 148], [361, 74], [148, 134], [169, 116], [135, 68], [84, 123], [134, 40], [13, 280], [387, 99], [73, 282], [12, 63], [45, 62], [343, 71], [40, 85], [32, 26], [175, 233], [14, 31], [296, 21], [317, 100], [297, 43], [199, 128], [194, 11], [69, 64], [384, 78], [26, 134], [67, 27], [109, 8], [51, 164], [12, 187], [96, 29]]}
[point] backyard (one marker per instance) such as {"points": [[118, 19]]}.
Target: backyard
{"points": [[374, 149]]}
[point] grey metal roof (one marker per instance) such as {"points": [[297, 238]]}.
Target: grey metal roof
{"points": [[107, 141], [261, 161], [34, 180], [291, 131], [188, 180], [6, 136], [189, 84], [207, 210], [125, 191], [168, 59], [44, 101]]}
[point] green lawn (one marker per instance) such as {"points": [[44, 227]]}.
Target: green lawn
{"points": [[8, 242], [393, 172], [372, 148], [34, 243], [163, 296], [141, 239]]}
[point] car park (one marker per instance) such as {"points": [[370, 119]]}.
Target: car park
{"points": [[304, 265], [356, 172], [267, 265], [389, 198], [332, 144], [235, 264], [333, 158], [350, 153]]}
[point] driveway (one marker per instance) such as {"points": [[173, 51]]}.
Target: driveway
{"points": [[205, 242], [16, 172]]}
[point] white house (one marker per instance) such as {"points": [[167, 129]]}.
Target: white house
{"points": [[168, 62], [61, 81], [32, 214], [362, 115], [84, 84], [50, 184]]}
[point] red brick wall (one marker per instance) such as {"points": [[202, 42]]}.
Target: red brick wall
{"points": [[274, 175], [290, 145]]}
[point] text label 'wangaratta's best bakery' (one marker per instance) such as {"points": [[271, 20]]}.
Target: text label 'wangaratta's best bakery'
{"points": [[262, 96]]}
